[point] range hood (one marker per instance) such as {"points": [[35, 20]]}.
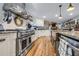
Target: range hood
{"points": [[17, 9]]}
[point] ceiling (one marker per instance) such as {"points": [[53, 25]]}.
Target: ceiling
{"points": [[49, 10]]}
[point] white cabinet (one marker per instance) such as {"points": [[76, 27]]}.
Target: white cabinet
{"points": [[8, 46]]}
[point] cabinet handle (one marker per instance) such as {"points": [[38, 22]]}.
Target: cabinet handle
{"points": [[1, 40]]}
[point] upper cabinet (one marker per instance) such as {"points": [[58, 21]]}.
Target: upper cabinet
{"points": [[71, 24]]}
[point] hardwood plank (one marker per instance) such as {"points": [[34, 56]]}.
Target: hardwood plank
{"points": [[42, 47]]}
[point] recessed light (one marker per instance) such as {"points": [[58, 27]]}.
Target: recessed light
{"points": [[71, 13], [44, 16], [56, 15]]}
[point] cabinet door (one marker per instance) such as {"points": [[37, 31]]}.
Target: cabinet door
{"points": [[7, 47], [4, 50]]}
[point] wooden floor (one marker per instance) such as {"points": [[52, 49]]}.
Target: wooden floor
{"points": [[42, 47]]}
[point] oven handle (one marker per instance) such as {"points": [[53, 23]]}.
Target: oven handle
{"points": [[1, 40]]}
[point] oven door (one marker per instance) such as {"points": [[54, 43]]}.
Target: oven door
{"points": [[23, 44]]}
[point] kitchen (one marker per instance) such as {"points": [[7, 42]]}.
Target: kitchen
{"points": [[39, 29]]}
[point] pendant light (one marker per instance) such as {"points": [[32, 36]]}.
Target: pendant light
{"points": [[60, 16], [70, 7]]}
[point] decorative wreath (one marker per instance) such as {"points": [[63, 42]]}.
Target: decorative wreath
{"points": [[18, 21]]}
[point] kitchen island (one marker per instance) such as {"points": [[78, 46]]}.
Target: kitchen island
{"points": [[68, 43]]}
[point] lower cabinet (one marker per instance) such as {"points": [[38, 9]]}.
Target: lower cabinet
{"points": [[68, 46], [8, 44], [14, 43]]}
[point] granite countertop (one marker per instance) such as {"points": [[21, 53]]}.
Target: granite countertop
{"points": [[72, 34], [7, 31]]}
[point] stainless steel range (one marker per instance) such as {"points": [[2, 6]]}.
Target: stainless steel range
{"points": [[23, 41]]}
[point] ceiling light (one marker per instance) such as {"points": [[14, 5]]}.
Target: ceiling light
{"points": [[44, 16], [60, 16], [56, 15], [71, 13], [70, 7]]}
